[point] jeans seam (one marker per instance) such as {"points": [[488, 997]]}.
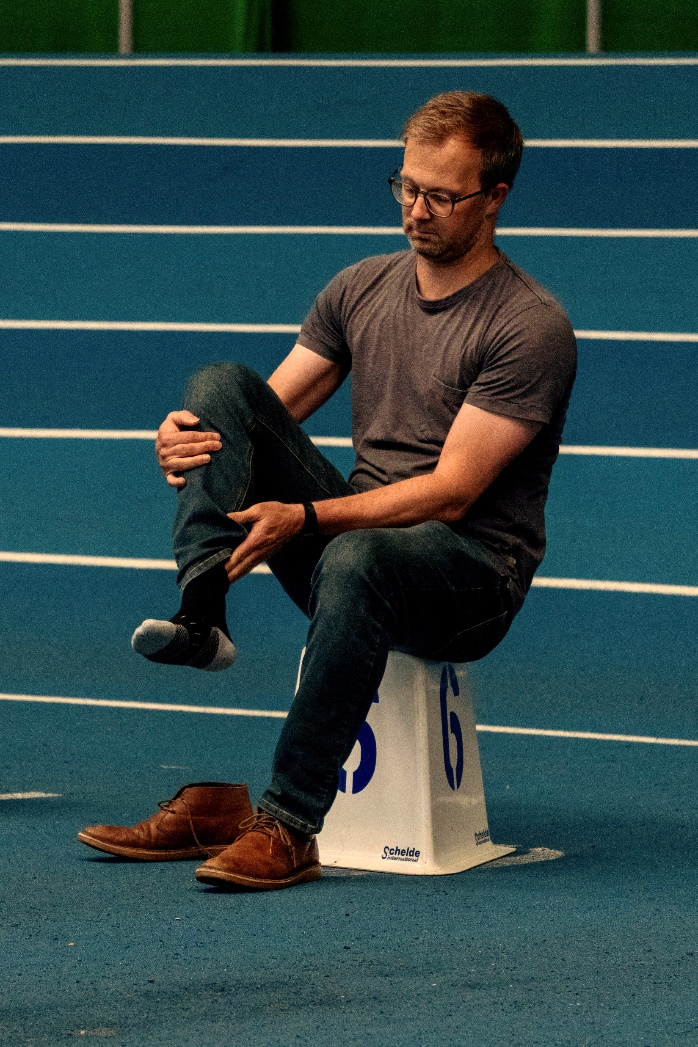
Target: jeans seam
{"points": [[464, 632], [250, 456]]}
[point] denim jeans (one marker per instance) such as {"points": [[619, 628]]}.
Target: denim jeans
{"points": [[424, 590]]}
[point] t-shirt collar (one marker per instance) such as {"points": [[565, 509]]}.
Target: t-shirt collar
{"points": [[433, 305]]}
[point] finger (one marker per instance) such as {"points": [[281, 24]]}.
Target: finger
{"points": [[188, 439], [186, 450], [238, 567], [251, 551], [167, 456], [181, 418], [258, 511], [181, 465], [245, 516], [175, 481]]}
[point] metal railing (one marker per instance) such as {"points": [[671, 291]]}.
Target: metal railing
{"points": [[125, 27], [593, 39]]}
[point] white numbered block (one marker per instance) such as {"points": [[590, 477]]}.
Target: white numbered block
{"points": [[410, 796]]}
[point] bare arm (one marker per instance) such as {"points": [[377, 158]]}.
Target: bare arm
{"points": [[478, 447], [303, 382]]}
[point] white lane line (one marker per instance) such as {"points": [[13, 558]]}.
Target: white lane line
{"points": [[27, 796], [612, 143], [66, 560], [210, 710], [214, 710], [130, 434], [209, 230], [79, 434], [205, 328], [225, 143], [595, 585], [617, 233], [323, 230], [588, 584], [129, 563], [332, 441], [591, 736], [630, 452], [146, 325], [332, 143], [631, 336], [376, 63]]}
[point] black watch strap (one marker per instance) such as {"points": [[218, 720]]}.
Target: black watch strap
{"points": [[311, 528]]}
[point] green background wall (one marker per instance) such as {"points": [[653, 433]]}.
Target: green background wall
{"points": [[450, 25], [201, 26]]}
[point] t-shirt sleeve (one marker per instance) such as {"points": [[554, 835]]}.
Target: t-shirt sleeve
{"points": [[323, 329], [528, 366]]}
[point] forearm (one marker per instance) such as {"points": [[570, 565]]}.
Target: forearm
{"points": [[397, 505], [478, 447], [468, 465]]}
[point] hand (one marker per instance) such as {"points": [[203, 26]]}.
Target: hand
{"points": [[178, 451], [270, 525]]}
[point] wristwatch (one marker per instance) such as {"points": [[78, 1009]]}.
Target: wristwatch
{"points": [[310, 528]]}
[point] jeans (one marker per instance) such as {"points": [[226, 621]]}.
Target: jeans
{"points": [[424, 590]]}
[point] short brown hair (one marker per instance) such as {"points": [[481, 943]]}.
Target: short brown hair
{"points": [[482, 120]]}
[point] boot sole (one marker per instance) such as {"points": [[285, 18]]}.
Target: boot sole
{"points": [[153, 856], [216, 877]]}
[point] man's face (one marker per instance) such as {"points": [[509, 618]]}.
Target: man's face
{"points": [[451, 167]]}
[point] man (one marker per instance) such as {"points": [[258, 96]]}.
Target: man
{"points": [[462, 369]]}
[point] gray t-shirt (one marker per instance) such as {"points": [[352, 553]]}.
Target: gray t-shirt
{"points": [[502, 344]]}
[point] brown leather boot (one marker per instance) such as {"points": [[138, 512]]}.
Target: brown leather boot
{"points": [[265, 857], [201, 820]]}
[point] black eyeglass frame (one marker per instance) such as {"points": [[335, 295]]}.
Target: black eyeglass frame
{"points": [[393, 180]]}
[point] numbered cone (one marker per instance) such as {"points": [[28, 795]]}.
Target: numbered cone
{"points": [[410, 796]]}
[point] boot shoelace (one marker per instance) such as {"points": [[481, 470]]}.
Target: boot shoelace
{"points": [[166, 806], [265, 823], [261, 822]]}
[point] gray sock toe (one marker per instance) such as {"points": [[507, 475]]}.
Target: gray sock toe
{"points": [[152, 636]]}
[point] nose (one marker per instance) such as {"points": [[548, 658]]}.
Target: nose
{"points": [[419, 208]]}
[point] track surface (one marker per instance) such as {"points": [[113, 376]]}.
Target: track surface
{"points": [[596, 944]]}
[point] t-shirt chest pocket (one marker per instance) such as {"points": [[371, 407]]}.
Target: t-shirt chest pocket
{"points": [[443, 404]]}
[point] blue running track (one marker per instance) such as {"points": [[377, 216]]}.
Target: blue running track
{"points": [[159, 214]]}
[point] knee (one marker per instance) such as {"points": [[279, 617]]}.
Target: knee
{"points": [[352, 563], [220, 382]]}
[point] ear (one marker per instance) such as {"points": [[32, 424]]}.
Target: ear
{"points": [[495, 197]]}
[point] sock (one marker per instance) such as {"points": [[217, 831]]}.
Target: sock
{"points": [[198, 634], [204, 597]]}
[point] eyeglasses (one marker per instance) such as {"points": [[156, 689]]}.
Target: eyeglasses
{"points": [[438, 204]]}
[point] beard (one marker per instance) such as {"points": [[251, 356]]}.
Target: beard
{"points": [[431, 244]]}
